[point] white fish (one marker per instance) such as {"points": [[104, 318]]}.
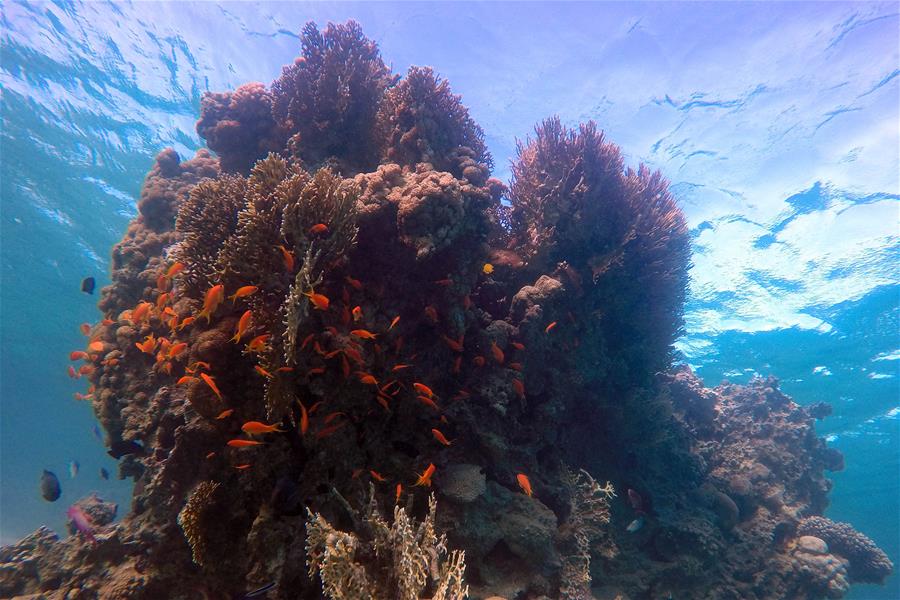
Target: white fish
{"points": [[73, 469], [635, 525]]}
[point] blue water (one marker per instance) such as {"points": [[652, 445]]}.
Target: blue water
{"points": [[777, 125]]}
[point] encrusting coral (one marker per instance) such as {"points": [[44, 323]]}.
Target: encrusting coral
{"points": [[345, 301]]}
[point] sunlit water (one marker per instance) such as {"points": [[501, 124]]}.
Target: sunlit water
{"points": [[776, 124]]}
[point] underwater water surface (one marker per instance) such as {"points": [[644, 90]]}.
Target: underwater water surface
{"points": [[776, 124]]}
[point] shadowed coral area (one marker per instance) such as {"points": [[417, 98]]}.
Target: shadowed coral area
{"points": [[343, 316]]}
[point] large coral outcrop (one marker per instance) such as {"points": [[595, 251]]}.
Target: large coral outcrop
{"points": [[349, 314]]}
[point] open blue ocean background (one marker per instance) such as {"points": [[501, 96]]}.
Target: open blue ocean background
{"points": [[777, 125]]}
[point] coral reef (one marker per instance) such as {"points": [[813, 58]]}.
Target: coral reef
{"points": [[344, 309], [868, 563], [399, 560]]}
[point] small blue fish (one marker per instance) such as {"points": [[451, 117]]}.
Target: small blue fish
{"points": [[635, 525], [73, 468], [96, 432]]}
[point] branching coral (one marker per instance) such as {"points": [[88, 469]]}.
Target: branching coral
{"points": [[329, 97], [576, 208], [399, 561], [868, 563], [194, 519], [588, 514], [421, 120]]}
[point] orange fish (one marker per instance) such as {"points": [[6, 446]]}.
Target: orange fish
{"points": [[287, 257], [258, 344], [515, 366], [80, 396], [304, 419], [478, 361], [85, 370], [107, 322], [199, 365], [397, 493], [400, 367], [519, 387], [162, 300], [162, 284], [428, 402], [425, 477], [214, 297], [356, 284], [443, 282], [497, 353], [318, 228], [524, 483], [212, 384], [210, 455], [307, 340], [394, 321], [363, 334], [316, 371], [148, 345], [440, 437], [550, 327], [110, 362], [462, 395], [242, 326], [256, 428], [262, 371], [356, 473], [330, 430], [354, 354], [243, 466], [357, 313], [85, 328], [367, 378], [423, 389], [96, 346], [187, 321], [319, 301], [431, 313], [244, 443], [456, 346], [332, 416], [185, 379], [225, 414], [383, 401], [285, 369], [73, 373], [243, 292], [78, 355], [140, 312], [176, 349], [174, 270], [518, 345], [377, 476]]}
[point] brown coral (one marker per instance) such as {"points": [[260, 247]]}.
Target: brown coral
{"points": [[421, 120], [329, 97], [239, 126]]}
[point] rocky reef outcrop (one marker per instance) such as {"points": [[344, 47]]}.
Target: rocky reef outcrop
{"points": [[343, 314]]}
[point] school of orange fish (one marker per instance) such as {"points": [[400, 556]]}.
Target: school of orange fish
{"points": [[169, 353]]}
